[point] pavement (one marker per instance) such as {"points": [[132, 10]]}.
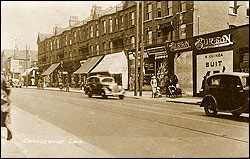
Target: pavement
{"points": [[37, 142]]}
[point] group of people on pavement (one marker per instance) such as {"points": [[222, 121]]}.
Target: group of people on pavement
{"points": [[171, 84]]}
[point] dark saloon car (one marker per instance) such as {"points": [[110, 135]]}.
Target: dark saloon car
{"points": [[104, 86], [226, 92]]}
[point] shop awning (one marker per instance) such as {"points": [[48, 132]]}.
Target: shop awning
{"points": [[88, 65], [28, 71], [50, 69], [115, 63]]}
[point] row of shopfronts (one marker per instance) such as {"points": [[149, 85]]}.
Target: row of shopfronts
{"points": [[189, 59]]}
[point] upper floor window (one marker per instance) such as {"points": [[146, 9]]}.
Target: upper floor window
{"points": [[182, 31], [110, 25], [122, 22], [91, 31], [104, 27], [51, 45], [97, 49], [104, 47], [75, 36], [233, 7], [66, 40], [169, 7], [158, 9], [183, 6], [57, 43], [149, 11], [150, 37], [132, 18], [92, 48], [133, 41], [97, 30], [116, 24]]}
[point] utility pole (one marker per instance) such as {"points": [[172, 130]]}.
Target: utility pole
{"points": [[136, 51], [142, 48], [26, 61]]}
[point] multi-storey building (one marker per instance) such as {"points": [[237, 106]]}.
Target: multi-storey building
{"points": [[113, 30], [15, 62]]}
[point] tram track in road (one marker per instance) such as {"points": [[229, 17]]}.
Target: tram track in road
{"points": [[156, 109]]}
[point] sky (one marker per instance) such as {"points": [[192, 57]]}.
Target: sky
{"points": [[22, 20]]}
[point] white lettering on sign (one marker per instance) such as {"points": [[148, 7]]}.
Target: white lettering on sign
{"points": [[213, 42], [175, 46]]}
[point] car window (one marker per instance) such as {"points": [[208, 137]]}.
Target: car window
{"points": [[107, 80], [230, 81], [214, 81], [245, 82]]}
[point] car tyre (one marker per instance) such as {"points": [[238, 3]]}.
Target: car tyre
{"points": [[104, 95], [210, 107], [89, 94], [236, 114], [121, 96]]}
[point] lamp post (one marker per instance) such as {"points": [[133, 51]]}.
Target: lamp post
{"points": [[136, 51], [142, 48]]}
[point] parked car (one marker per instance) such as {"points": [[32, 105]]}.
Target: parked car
{"points": [[226, 92], [104, 86]]}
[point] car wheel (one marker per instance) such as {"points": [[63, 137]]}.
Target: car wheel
{"points": [[103, 95], [210, 108], [236, 114], [121, 96]]}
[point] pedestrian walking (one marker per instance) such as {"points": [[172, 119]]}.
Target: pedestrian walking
{"points": [[5, 107], [153, 84], [66, 85]]}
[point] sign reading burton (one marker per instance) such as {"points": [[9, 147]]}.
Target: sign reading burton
{"points": [[206, 43]]}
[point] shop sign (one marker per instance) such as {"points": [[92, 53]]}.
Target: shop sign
{"points": [[180, 45], [157, 50], [219, 41]]}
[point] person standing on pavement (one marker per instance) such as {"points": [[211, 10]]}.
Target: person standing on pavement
{"points": [[153, 84], [5, 107]]}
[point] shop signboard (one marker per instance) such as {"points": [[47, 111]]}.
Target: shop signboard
{"points": [[179, 45], [213, 63]]}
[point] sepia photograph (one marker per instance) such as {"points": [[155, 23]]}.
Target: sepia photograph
{"points": [[124, 79]]}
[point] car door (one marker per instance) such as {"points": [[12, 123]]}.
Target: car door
{"points": [[212, 88], [225, 93], [237, 92]]}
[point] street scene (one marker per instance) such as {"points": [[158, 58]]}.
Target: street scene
{"points": [[125, 79]]}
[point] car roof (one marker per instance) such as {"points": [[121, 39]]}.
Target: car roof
{"points": [[101, 77], [231, 74]]}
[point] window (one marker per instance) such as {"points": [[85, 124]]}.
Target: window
{"points": [[111, 46], [104, 47], [116, 24], [182, 31], [133, 41], [132, 18], [51, 45], [182, 6], [215, 81], [158, 9], [169, 8], [97, 30], [66, 39], [70, 42], [122, 24], [97, 49], [110, 25], [104, 27], [149, 11], [168, 36], [91, 48], [91, 31], [233, 7], [150, 39], [57, 43], [75, 36]]}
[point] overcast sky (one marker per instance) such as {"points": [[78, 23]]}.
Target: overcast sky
{"points": [[22, 20]]}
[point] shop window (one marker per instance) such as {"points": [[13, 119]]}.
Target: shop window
{"points": [[158, 9], [169, 8], [233, 7]]}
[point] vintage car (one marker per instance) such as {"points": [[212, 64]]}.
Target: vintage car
{"points": [[226, 92], [104, 86]]}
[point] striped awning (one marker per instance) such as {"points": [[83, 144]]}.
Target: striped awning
{"points": [[50, 69], [88, 65]]}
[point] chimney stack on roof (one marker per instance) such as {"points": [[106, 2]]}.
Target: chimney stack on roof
{"points": [[73, 20]]}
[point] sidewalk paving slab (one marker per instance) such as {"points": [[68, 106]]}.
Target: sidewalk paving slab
{"points": [[34, 137]]}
